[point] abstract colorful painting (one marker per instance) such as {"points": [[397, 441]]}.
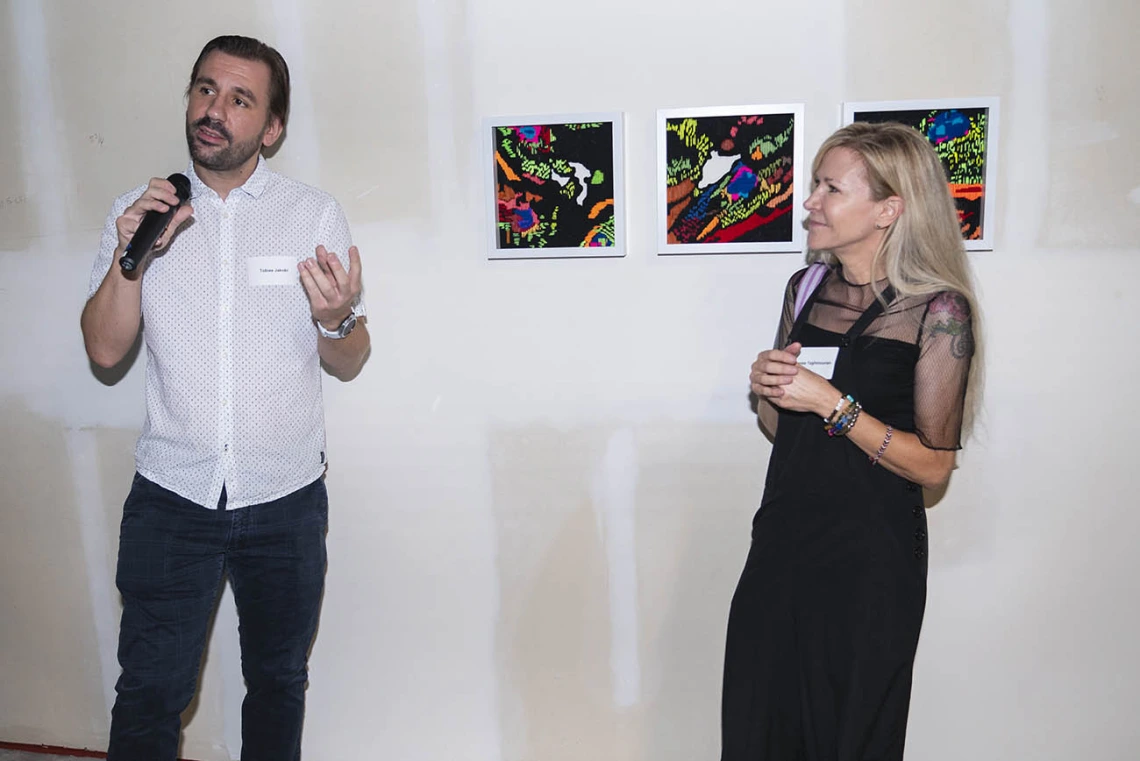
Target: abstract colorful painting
{"points": [[964, 134], [728, 179], [556, 186]]}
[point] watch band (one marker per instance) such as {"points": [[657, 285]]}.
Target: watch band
{"points": [[342, 330]]}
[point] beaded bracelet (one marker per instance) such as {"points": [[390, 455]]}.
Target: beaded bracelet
{"points": [[848, 421], [834, 423], [843, 402], [843, 405], [882, 447], [842, 425]]}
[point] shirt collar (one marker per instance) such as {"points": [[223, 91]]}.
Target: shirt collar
{"points": [[253, 187]]}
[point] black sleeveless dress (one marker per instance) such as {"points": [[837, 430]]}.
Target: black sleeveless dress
{"points": [[825, 620]]}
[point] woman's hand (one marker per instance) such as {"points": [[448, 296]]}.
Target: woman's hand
{"points": [[777, 378]]}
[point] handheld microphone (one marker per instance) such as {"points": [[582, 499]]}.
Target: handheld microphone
{"points": [[152, 225]]}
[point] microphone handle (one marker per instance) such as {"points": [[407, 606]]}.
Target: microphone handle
{"points": [[152, 225]]}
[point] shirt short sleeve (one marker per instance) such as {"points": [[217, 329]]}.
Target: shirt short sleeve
{"points": [[110, 240], [945, 352], [335, 236]]}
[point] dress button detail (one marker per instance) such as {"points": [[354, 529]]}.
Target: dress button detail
{"points": [[919, 535], [916, 511], [919, 553], [844, 342]]}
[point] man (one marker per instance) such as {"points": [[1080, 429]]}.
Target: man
{"points": [[239, 310]]}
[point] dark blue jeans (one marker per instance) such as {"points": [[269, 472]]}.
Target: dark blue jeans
{"points": [[172, 554]]}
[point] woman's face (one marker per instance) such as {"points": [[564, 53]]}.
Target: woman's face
{"points": [[842, 216]]}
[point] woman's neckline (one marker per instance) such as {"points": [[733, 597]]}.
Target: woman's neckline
{"points": [[842, 276]]}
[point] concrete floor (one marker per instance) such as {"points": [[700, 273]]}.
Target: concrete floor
{"points": [[21, 755]]}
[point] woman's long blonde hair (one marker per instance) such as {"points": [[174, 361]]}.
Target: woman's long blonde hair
{"points": [[922, 251]]}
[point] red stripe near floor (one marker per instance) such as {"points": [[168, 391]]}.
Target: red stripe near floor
{"points": [[51, 750]]}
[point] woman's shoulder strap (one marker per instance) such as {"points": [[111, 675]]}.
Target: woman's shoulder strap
{"points": [[807, 285]]}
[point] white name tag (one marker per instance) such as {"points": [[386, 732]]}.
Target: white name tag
{"points": [[819, 359], [272, 270]]}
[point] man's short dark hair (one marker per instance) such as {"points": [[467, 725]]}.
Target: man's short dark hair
{"points": [[253, 50]]}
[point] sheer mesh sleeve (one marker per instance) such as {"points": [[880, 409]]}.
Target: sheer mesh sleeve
{"points": [[946, 350], [787, 315], [769, 417]]}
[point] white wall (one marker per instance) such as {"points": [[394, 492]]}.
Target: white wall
{"points": [[543, 480]]}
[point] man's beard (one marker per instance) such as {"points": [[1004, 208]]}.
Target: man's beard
{"points": [[225, 158]]}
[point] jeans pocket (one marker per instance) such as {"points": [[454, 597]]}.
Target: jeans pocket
{"points": [[136, 500], [321, 497]]}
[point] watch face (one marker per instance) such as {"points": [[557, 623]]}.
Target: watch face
{"points": [[342, 330]]}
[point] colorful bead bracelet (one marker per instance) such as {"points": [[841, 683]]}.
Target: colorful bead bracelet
{"points": [[843, 418]]}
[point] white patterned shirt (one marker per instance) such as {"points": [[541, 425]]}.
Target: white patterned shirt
{"points": [[233, 378]]}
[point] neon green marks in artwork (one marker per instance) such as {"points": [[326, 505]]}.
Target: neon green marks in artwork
{"points": [[688, 167]]}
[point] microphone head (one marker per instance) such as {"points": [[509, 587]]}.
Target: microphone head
{"points": [[181, 185]]}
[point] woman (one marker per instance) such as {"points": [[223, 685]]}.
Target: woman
{"points": [[825, 620]]}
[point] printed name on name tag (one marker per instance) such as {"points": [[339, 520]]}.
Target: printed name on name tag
{"points": [[819, 359], [272, 270]]}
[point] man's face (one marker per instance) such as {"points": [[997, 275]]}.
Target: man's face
{"points": [[227, 115]]}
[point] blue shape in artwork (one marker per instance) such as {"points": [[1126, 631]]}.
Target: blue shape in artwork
{"points": [[525, 219], [742, 184], [700, 207], [948, 125], [599, 238]]}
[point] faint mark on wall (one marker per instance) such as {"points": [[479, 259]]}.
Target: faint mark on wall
{"points": [[698, 487], [83, 449], [1081, 133], [303, 133], [1023, 189], [45, 167], [614, 494], [49, 660], [1093, 156], [442, 156], [618, 550], [554, 632], [363, 85]]}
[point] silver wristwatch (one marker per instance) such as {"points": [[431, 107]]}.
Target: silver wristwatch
{"points": [[342, 330]]}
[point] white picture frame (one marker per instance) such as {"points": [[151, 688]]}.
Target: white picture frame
{"points": [[978, 234], [703, 215], [541, 219]]}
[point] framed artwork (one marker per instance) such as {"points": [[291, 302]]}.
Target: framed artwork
{"points": [[964, 132], [555, 186], [729, 179]]}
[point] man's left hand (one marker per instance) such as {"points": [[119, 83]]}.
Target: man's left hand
{"points": [[331, 291]]}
